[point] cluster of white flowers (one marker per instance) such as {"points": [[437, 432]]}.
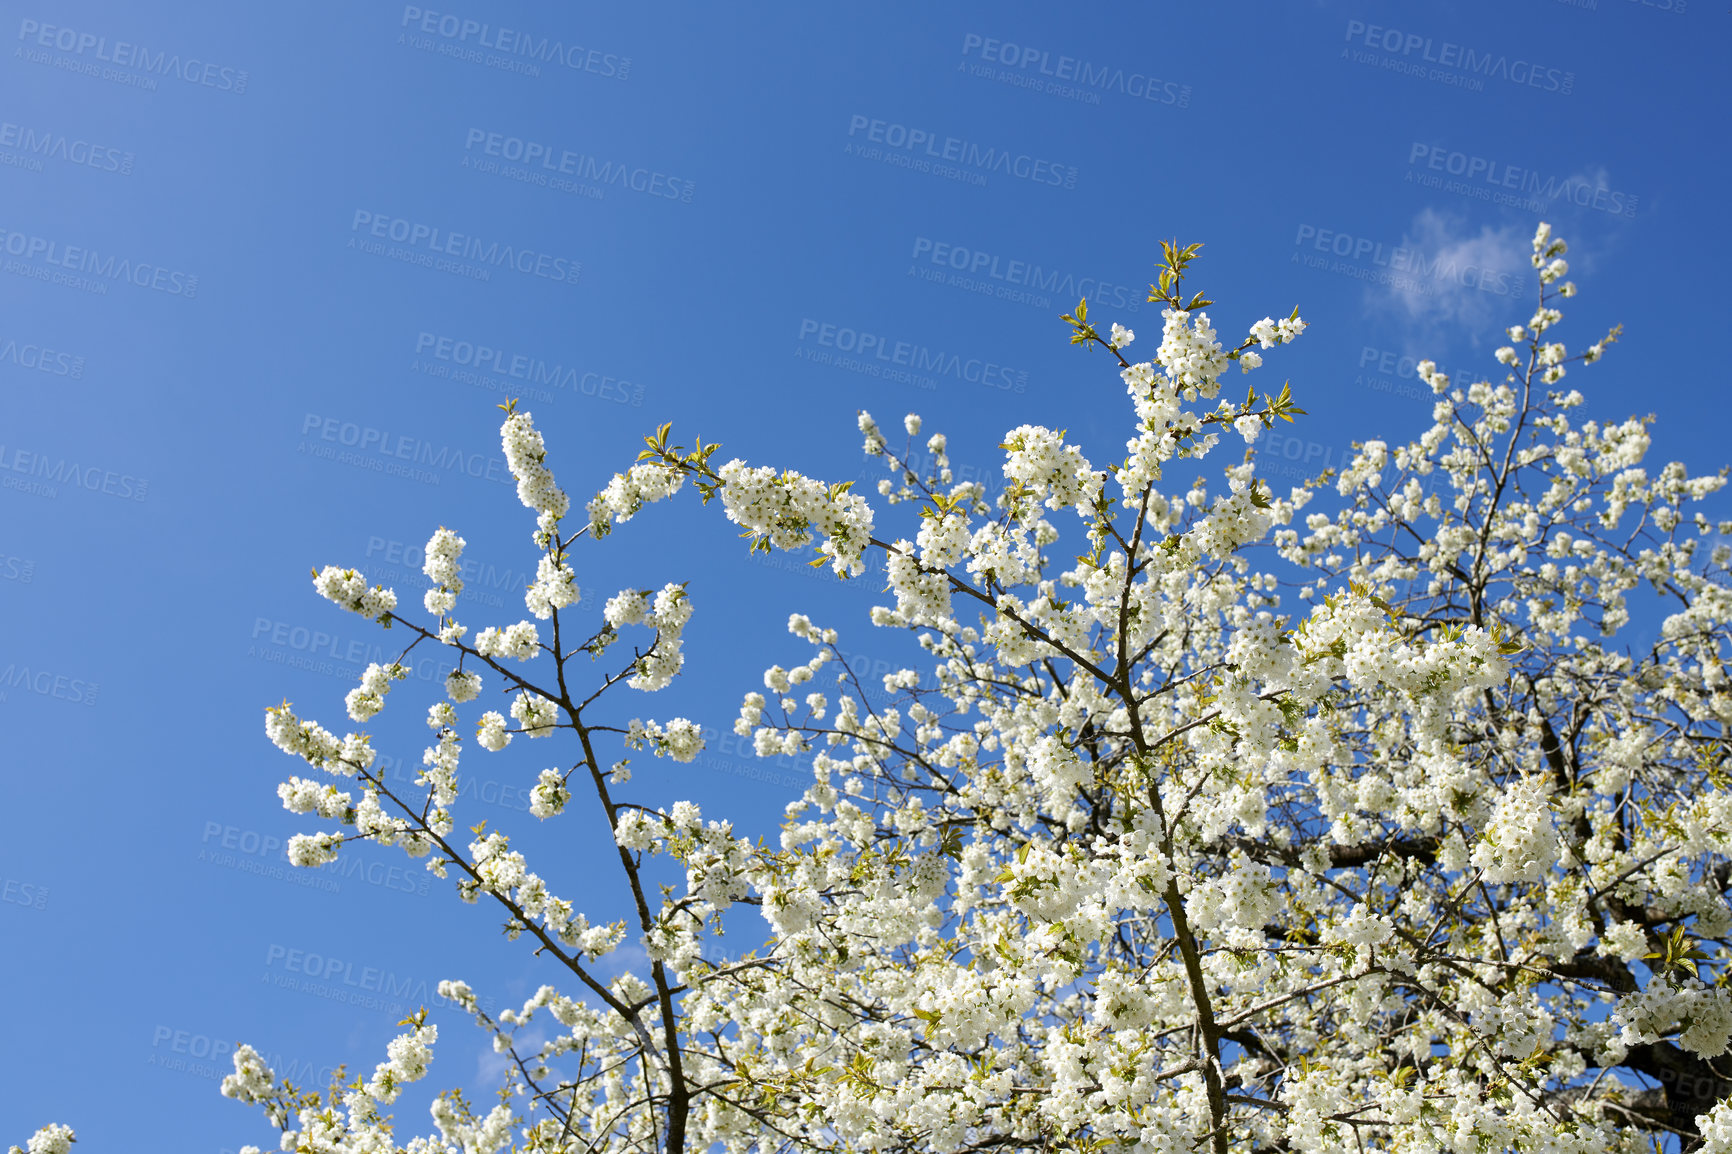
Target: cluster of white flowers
{"points": [[1518, 843], [1191, 362], [1242, 899], [555, 587], [629, 492], [874, 444], [922, 595], [463, 685], [484, 1135], [786, 509], [1547, 251], [1190, 354], [548, 796], [443, 567], [627, 607], [1158, 414], [666, 612], [1234, 521], [1054, 474], [636, 830], [668, 616], [52, 1139], [801, 626], [409, 1055], [1362, 930], [301, 795], [943, 540], [1715, 1128], [520, 641], [316, 745], [1269, 332], [346, 587], [366, 700], [313, 850], [1701, 1015], [535, 714], [439, 762], [526, 457], [491, 733], [1624, 941], [501, 868], [252, 1081], [678, 738], [1141, 857], [751, 713]]}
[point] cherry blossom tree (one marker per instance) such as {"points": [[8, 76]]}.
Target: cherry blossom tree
{"points": [[1232, 825]]}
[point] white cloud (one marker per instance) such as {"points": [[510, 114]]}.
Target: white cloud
{"points": [[490, 1067], [627, 955], [1454, 285]]}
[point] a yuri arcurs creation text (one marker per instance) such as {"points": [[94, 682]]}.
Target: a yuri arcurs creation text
{"points": [[1219, 818]]}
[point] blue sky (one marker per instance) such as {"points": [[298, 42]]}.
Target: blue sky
{"points": [[248, 326]]}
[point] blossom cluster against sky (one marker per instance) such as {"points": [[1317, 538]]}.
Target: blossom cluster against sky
{"points": [[268, 271]]}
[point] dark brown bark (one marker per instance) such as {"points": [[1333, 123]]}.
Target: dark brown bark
{"points": [[1689, 1085]]}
